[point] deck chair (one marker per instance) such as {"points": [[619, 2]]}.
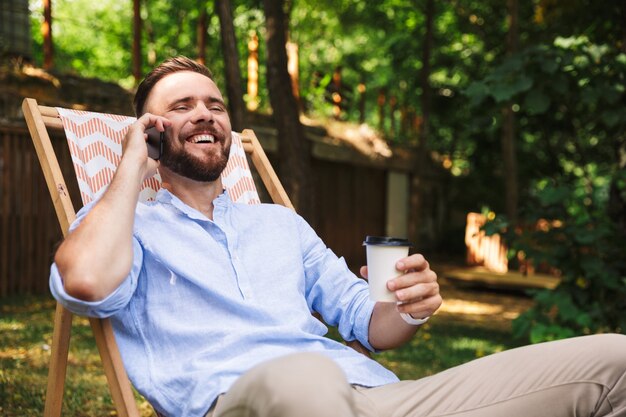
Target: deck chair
{"points": [[94, 140]]}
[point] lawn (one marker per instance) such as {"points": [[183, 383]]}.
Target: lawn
{"points": [[471, 324]]}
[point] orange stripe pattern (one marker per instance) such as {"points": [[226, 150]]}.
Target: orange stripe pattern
{"points": [[95, 143]]}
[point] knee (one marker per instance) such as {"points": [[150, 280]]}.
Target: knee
{"points": [[305, 370], [295, 383], [612, 346], [604, 352]]}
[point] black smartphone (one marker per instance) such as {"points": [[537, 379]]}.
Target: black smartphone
{"points": [[155, 143]]}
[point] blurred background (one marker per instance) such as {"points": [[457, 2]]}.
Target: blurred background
{"points": [[490, 133]]}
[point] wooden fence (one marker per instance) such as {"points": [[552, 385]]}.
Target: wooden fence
{"points": [[26, 235], [483, 250]]}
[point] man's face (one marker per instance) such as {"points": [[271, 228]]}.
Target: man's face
{"points": [[199, 138]]}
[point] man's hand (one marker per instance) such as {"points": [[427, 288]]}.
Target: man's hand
{"points": [[418, 294], [134, 143], [417, 289]]}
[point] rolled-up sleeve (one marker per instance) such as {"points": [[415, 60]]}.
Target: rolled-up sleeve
{"points": [[114, 301], [107, 306], [333, 290]]}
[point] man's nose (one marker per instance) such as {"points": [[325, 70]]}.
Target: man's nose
{"points": [[202, 113]]}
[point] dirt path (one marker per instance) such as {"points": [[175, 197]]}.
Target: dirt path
{"points": [[482, 307]]}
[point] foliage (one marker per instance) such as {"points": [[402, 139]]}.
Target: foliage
{"points": [[573, 234], [570, 99], [94, 43]]}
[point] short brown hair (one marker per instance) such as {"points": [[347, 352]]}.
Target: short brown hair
{"points": [[167, 67]]}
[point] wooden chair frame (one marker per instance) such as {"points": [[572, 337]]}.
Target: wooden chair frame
{"points": [[39, 119]]}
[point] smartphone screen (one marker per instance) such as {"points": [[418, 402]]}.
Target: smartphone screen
{"points": [[155, 143]]}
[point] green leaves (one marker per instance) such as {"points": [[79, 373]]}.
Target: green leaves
{"points": [[587, 247], [536, 102], [507, 89]]}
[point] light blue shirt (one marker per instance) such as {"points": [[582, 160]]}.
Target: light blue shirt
{"points": [[207, 300]]}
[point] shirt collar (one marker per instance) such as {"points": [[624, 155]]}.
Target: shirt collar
{"points": [[164, 196]]}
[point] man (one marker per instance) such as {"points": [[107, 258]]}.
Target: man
{"points": [[210, 300]]}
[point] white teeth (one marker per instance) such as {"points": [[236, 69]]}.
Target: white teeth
{"points": [[203, 139]]}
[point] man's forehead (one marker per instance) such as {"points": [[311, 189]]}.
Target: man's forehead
{"points": [[183, 84]]}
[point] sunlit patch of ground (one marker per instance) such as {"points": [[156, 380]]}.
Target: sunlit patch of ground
{"points": [[486, 308], [474, 308]]}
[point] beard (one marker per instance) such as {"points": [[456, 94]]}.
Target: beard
{"points": [[192, 167]]}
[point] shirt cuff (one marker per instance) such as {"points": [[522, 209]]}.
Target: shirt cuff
{"points": [[109, 305], [362, 324], [101, 308]]}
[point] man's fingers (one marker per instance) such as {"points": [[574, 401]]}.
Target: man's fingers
{"points": [[412, 278], [422, 308], [363, 271], [417, 292], [149, 120], [415, 262]]}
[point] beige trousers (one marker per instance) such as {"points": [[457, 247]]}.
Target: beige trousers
{"points": [[583, 376]]}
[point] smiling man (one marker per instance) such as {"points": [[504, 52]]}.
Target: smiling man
{"points": [[211, 301]]}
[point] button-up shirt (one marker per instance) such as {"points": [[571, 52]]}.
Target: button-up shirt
{"points": [[206, 300]]}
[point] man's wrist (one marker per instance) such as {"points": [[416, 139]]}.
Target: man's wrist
{"points": [[412, 320]]}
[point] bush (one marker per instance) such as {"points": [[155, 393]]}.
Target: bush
{"points": [[574, 233]]}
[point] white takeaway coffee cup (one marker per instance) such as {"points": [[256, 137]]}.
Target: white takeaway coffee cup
{"points": [[382, 255]]}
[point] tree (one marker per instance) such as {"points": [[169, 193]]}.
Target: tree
{"points": [[46, 29], [232, 70], [295, 165], [201, 34], [137, 40], [425, 74], [508, 138]]}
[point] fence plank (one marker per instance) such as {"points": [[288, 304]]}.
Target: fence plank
{"points": [[28, 229], [5, 147]]}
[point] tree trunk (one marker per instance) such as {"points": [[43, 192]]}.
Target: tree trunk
{"points": [[426, 99], [294, 155], [622, 13], [234, 90], [362, 88], [137, 40], [509, 156], [46, 31], [417, 184], [617, 199], [380, 102], [253, 72], [201, 33]]}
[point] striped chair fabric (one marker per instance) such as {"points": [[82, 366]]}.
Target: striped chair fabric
{"points": [[95, 143]]}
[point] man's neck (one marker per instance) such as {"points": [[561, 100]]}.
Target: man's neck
{"points": [[196, 194]]}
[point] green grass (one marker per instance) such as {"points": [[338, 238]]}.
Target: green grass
{"points": [[26, 334]]}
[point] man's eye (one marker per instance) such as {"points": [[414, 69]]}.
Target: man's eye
{"points": [[181, 108], [217, 108]]}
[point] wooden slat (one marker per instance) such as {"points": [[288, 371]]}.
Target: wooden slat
{"points": [[5, 221], [65, 215], [265, 170], [53, 123], [119, 384], [47, 111], [58, 362], [49, 164]]}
